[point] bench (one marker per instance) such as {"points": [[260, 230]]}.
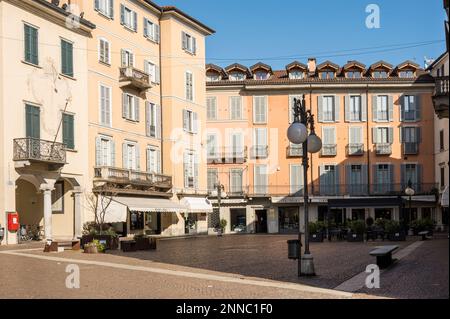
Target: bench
{"points": [[55, 246], [424, 234], [384, 255]]}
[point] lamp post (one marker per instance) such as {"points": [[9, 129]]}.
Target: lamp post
{"points": [[298, 134], [409, 191], [220, 189]]}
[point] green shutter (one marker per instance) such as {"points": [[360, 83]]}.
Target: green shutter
{"points": [[31, 45], [67, 58], [68, 131], [32, 121]]}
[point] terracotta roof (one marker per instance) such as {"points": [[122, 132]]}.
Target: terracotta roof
{"points": [[381, 63], [296, 64], [261, 65], [175, 9], [358, 64], [328, 64], [408, 62]]}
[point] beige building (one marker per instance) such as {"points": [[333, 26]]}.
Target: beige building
{"points": [[43, 118]]}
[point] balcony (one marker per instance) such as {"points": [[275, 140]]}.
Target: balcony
{"points": [[294, 151], [383, 149], [132, 77], [410, 148], [227, 155], [39, 151], [355, 149], [260, 151], [129, 181], [329, 150], [441, 97]]}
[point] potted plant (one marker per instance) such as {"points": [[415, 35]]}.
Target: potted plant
{"points": [[356, 233], [221, 227], [144, 242], [316, 231], [108, 237], [94, 247], [394, 231]]}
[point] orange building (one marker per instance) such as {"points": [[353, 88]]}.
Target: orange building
{"points": [[376, 124]]}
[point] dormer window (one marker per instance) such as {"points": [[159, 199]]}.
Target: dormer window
{"points": [[236, 76], [296, 75], [213, 77], [380, 74], [354, 74], [261, 75], [327, 75], [406, 74]]}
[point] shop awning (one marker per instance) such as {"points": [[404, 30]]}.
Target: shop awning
{"points": [[444, 198], [118, 209], [197, 205]]}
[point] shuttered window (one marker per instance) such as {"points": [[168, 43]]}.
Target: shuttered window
{"points": [[127, 58], [153, 120], [153, 161], [33, 122], [31, 44], [329, 136], [151, 30], [105, 105], [128, 18], [235, 108], [105, 7], [190, 121], [212, 179], [236, 180], [292, 99], [328, 108], [188, 43], [104, 51], [261, 179], [329, 179], [130, 107], [105, 152], [355, 135], [211, 108], [67, 58], [130, 156], [260, 110], [410, 108], [211, 146], [296, 179], [189, 86], [153, 71], [68, 131], [190, 169]]}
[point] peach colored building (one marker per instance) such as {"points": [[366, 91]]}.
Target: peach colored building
{"points": [[147, 103], [376, 123]]}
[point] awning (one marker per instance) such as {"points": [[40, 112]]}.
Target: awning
{"points": [[118, 209], [197, 205], [444, 198]]}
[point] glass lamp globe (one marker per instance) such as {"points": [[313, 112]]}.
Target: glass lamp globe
{"points": [[409, 191], [297, 133], [314, 144]]}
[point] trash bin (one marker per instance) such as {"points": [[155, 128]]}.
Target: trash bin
{"points": [[294, 249]]}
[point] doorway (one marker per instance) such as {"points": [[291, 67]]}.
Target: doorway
{"points": [[261, 221]]}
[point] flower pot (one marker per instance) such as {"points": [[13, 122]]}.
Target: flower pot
{"points": [[316, 238], [353, 238], [110, 242], [90, 250]]}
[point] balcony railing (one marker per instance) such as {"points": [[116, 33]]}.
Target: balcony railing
{"points": [[260, 151], [383, 149], [329, 150], [442, 86], [410, 148], [135, 78], [228, 155], [355, 149], [441, 97], [37, 150], [131, 177], [295, 151]]}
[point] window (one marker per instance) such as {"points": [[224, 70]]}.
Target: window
{"points": [[355, 135], [356, 179], [153, 120], [104, 152], [130, 156], [353, 74], [66, 58], [105, 7], [411, 175], [58, 198], [33, 121], [212, 179], [410, 134], [128, 18], [190, 121], [261, 179], [329, 136], [211, 108], [189, 86], [296, 75], [329, 179], [190, 170], [211, 146], [261, 75], [259, 110], [235, 108], [260, 142], [237, 145], [382, 108], [382, 175], [442, 177], [236, 76], [327, 75], [31, 45], [189, 43], [105, 105], [296, 179], [380, 74], [104, 51], [236, 181], [151, 31], [127, 58], [409, 108], [328, 108], [382, 135], [68, 130], [355, 108], [406, 74], [212, 77], [152, 70], [153, 160], [441, 141], [355, 174], [130, 107]]}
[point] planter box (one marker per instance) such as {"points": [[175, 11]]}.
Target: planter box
{"points": [[110, 242], [91, 250], [353, 238], [400, 236], [128, 246], [316, 238]]}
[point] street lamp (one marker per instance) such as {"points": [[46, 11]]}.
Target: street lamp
{"points": [[409, 191], [219, 191], [298, 134]]}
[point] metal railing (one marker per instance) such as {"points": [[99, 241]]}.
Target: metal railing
{"points": [[260, 151], [410, 148], [329, 150], [138, 78], [383, 149], [355, 149], [227, 155], [34, 149], [294, 151], [132, 177]]}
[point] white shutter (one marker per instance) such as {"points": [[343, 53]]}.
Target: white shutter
{"points": [[138, 157], [98, 151], [157, 74], [157, 33], [194, 45], [112, 145], [196, 122], [158, 122], [136, 109], [347, 107], [196, 170], [296, 178], [125, 106], [158, 162], [183, 40], [123, 58], [125, 155], [337, 107], [320, 108], [146, 31], [185, 120]]}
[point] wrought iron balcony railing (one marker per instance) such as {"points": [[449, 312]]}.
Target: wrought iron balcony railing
{"points": [[135, 78], [410, 148], [383, 149], [260, 151], [37, 150], [295, 151], [329, 150], [355, 149], [130, 177], [228, 155]]}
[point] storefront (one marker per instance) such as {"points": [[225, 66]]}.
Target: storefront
{"points": [[288, 219], [196, 215]]}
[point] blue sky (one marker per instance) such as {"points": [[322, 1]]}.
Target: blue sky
{"points": [[280, 31]]}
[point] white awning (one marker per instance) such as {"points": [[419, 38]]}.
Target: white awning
{"points": [[444, 198], [197, 205], [117, 211]]}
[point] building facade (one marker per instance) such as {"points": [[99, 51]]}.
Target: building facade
{"points": [[375, 123], [43, 118]]}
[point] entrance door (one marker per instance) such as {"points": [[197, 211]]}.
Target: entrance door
{"points": [[261, 221]]}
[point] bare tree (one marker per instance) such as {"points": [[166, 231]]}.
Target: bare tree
{"points": [[98, 203]]}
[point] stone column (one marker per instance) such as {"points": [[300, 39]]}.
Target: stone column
{"points": [[47, 213], [78, 226]]}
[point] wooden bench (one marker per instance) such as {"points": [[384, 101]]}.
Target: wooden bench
{"points": [[67, 244], [384, 255], [424, 234]]}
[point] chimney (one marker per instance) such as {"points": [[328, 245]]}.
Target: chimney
{"points": [[312, 66]]}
